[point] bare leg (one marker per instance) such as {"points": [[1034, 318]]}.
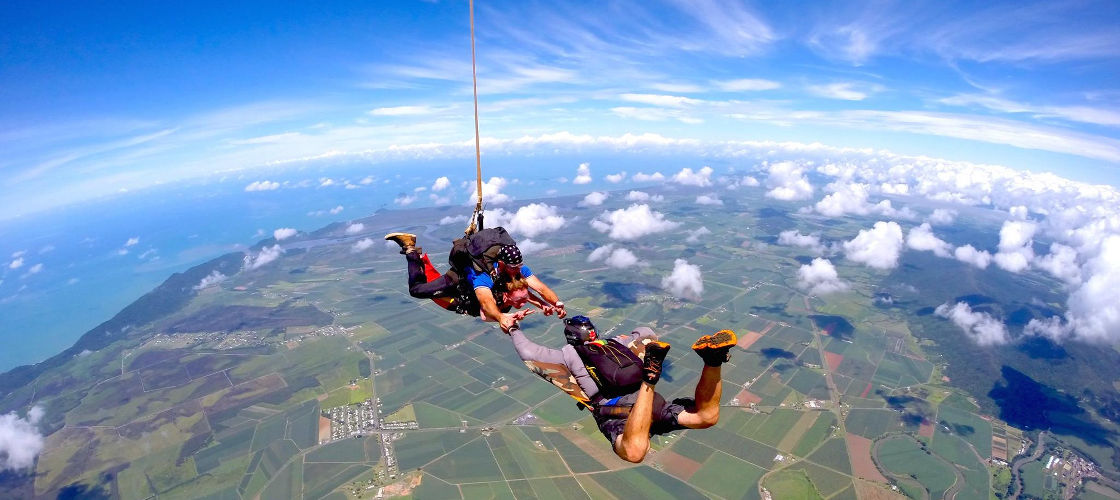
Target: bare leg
{"points": [[633, 444], [709, 390]]}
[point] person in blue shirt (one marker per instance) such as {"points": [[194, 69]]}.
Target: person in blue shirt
{"points": [[489, 295]]}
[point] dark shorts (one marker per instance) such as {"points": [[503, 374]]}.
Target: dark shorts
{"points": [[664, 417]]}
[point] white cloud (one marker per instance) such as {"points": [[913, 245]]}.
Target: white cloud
{"points": [[844, 91], [262, 186], [632, 222], [616, 178], [266, 255], [402, 111], [643, 196], [36, 269], [530, 220], [981, 327], [16, 263], [749, 181], [845, 198], [921, 238], [419, 189], [355, 228], [694, 236], [491, 192], [600, 253], [1015, 253], [594, 199], [795, 238], [583, 174], [132, 241], [700, 178], [819, 278], [367, 180], [667, 101], [942, 217], [643, 177], [451, 219], [284, 233], [441, 183], [1019, 212], [361, 245], [685, 281], [900, 188], [612, 256], [19, 253], [877, 247], [747, 85], [1094, 305], [1061, 262], [708, 199], [20, 439], [326, 182], [336, 210], [621, 258], [210, 280], [404, 200], [528, 246], [787, 181], [978, 258]]}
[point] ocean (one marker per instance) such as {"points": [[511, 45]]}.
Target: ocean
{"points": [[95, 258]]}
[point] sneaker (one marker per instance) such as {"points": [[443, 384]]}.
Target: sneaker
{"points": [[655, 356], [715, 349], [407, 241]]}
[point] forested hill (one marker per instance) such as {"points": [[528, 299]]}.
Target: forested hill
{"points": [[167, 298]]}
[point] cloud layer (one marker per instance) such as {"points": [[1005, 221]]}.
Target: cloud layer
{"points": [[20, 439]]}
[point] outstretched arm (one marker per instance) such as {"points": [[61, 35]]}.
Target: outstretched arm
{"points": [[489, 309], [547, 294]]}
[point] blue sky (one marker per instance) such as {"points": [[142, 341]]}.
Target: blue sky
{"points": [[99, 99]]}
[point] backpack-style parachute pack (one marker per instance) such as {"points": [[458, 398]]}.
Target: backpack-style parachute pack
{"points": [[614, 367], [479, 250]]}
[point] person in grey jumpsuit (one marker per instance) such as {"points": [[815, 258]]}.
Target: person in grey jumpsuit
{"points": [[628, 421]]}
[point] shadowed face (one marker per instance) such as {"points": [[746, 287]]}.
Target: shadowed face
{"points": [[510, 271]]}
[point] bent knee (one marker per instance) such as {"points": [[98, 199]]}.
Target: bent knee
{"points": [[632, 452], [632, 456]]}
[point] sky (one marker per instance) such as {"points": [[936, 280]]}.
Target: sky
{"points": [[96, 100]]}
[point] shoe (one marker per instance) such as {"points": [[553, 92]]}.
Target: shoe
{"points": [[655, 357], [407, 241], [715, 349]]}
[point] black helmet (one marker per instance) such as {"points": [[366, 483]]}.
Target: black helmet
{"points": [[578, 330]]}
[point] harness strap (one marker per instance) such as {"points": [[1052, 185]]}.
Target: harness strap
{"points": [[477, 216]]}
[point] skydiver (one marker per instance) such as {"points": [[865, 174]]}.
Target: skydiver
{"points": [[629, 420], [475, 292]]}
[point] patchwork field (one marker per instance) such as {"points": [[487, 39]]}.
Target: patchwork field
{"points": [[225, 396]]}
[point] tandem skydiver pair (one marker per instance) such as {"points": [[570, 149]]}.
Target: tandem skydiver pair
{"points": [[613, 378]]}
